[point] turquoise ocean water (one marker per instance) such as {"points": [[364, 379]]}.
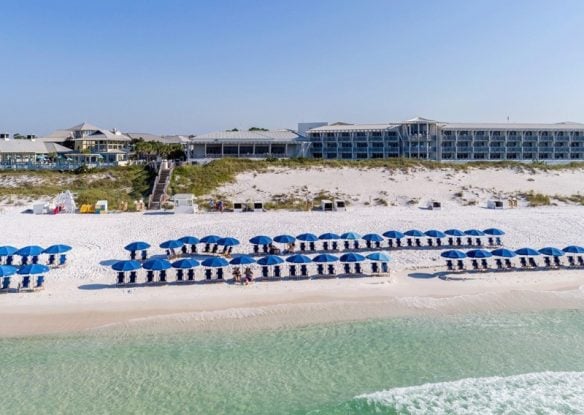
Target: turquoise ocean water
{"points": [[494, 363]]}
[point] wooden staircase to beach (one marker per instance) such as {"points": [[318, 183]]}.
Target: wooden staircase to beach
{"points": [[160, 188]]}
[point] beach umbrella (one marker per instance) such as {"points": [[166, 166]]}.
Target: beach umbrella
{"points": [[210, 239], [270, 260], [189, 240], [185, 263], [137, 246], [307, 237], [504, 253], [7, 250], [32, 269], [7, 270], [352, 257], [415, 233], [298, 259], [573, 249], [157, 264], [453, 254], [527, 252], [393, 235], [215, 262], [474, 232], [494, 232], [126, 266], [329, 236], [351, 236], [378, 256], [478, 253], [325, 258], [433, 233], [284, 239], [372, 237], [172, 244], [260, 240], [32, 250], [242, 260], [454, 232], [57, 249], [228, 241], [550, 251]]}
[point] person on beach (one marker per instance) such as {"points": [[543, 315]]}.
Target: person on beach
{"points": [[237, 275], [211, 205], [248, 276]]}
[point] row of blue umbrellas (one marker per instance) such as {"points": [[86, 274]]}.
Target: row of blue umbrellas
{"points": [[507, 253], [31, 269], [185, 240], [33, 250]]}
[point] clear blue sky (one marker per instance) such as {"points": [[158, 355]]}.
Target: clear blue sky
{"points": [[179, 66]]}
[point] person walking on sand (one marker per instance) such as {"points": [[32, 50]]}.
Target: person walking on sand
{"points": [[248, 276]]}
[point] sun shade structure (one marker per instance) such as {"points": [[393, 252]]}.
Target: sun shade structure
{"points": [[189, 240], [157, 264], [284, 239], [32, 269], [352, 257], [7, 270], [352, 236], [215, 262], [32, 250], [454, 232], [393, 235], [478, 253], [474, 232], [329, 236], [210, 239], [433, 233], [7, 250], [126, 266], [415, 233], [494, 232], [242, 260], [453, 254], [137, 246], [270, 260], [574, 249], [298, 259], [172, 244], [325, 258], [373, 237], [228, 242], [503, 253], [527, 252], [57, 249], [306, 237], [550, 251], [186, 263], [260, 240], [378, 256]]}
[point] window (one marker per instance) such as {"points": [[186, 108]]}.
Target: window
{"points": [[462, 156], [528, 156], [317, 155], [330, 134], [560, 156], [360, 134], [246, 150], [214, 149], [347, 155], [544, 156], [230, 150], [264, 150], [346, 145], [377, 155], [331, 155], [392, 134], [377, 145], [362, 155], [315, 146], [345, 135], [376, 134], [447, 133], [278, 149], [362, 145], [512, 156]]}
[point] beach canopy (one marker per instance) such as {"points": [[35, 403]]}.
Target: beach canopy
{"points": [[242, 260], [329, 236], [306, 237], [284, 239], [351, 236], [260, 240], [478, 253], [415, 233], [126, 266], [573, 249], [494, 232], [454, 232], [550, 251], [393, 235], [157, 264], [57, 249], [172, 244], [215, 262], [210, 239], [433, 233], [7, 270], [373, 237], [325, 258], [453, 254], [32, 250], [474, 232], [7, 250], [186, 263], [352, 257], [504, 253], [378, 256], [228, 241], [527, 252], [32, 269], [270, 260], [137, 246], [298, 259], [189, 240]]}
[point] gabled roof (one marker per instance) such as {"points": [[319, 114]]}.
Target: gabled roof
{"points": [[31, 146], [107, 135], [84, 126], [420, 119]]}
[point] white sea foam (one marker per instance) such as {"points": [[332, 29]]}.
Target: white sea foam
{"points": [[544, 392]]}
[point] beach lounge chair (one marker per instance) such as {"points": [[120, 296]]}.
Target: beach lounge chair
{"points": [[62, 260], [219, 273], [144, 255], [9, 260], [475, 264], [438, 242], [208, 274], [479, 242], [335, 246], [356, 245], [35, 259], [460, 265], [215, 249], [52, 260], [458, 241], [256, 249], [491, 241], [499, 263], [24, 260], [410, 243], [26, 282], [581, 261], [325, 246], [368, 244], [193, 249], [292, 271], [265, 272], [547, 261], [191, 274], [121, 277], [449, 265], [384, 268], [180, 275], [508, 264], [398, 243], [277, 271], [347, 268], [304, 270], [523, 262], [377, 245], [302, 247], [347, 245], [532, 263], [40, 282], [430, 242], [207, 248], [162, 276], [374, 268], [320, 269], [167, 253], [312, 246], [469, 241], [132, 255], [184, 249], [390, 243], [571, 261], [451, 241], [418, 242], [358, 269], [149, 276], [133, 277], [5, 283], [331, 269], [484, 264], [498, 241], [557, 261]]}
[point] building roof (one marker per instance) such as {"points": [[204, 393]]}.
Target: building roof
{"points": [[352, 127], [84, 126], [255, 136], [512, 126], [31, 146], [106, 135]]}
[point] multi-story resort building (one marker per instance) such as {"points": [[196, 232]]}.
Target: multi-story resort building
{"points": [[427, 139]]}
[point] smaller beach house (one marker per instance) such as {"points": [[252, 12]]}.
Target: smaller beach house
{"points": [[29, 151]]}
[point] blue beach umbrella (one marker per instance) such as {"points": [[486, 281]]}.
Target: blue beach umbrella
{"points": [[351, 236], [454, 232], [474, 232], [478, 253], [57, 249], [494, 232], [433, 233], [393, 235], [378, 256], [527, 252], [372, 237], [126, 266], [210, 239], [172, 244], [242, 260], [228, 241], [156, 264], [32, 250], [189, 240], [298, 259], [260, 240], [7, 250], [550, 251], [7, 270], [215, 262], [503, 253], [32, 269], [284, 239], [270, 260], [573, 249], [325, 258], [415, 233], [185, 263], [306, 237], [352, 257], [453, 254], [329, 236], [137, 246]]}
